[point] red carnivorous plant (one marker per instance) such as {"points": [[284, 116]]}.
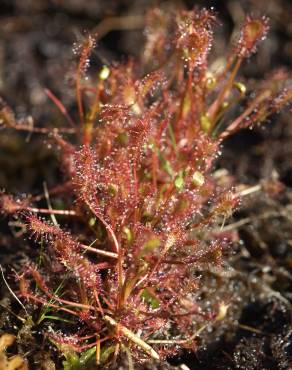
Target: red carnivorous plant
{"points": [[120, 266]]}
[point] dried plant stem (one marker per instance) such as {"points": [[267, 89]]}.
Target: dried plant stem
{"points": [[133, 337], [249, 190], [97, 355], [11, 291], [63, 212], [47, 196], [184, 367], [99, 251], [251, 329], [248, 220]]}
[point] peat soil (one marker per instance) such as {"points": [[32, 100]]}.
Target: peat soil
{"points": [[36, 39]]}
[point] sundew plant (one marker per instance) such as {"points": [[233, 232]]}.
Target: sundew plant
{"points": [[119, 267]]}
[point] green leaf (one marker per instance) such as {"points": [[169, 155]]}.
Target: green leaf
{"points": [[150, 299], [85, 361], [205, 123], [105, 353], [128, 233], [71, 362], [51, 317], [167, 167], [179, 182], [122, 138], [150, 245], [87, 355]]}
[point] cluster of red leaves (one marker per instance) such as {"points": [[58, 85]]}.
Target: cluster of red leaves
{"points": [[141, 191]]}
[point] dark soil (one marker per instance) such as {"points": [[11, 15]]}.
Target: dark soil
{"points": [[36, 39]]}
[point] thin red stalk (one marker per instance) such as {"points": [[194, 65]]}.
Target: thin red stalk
{"points": [[177, 122], [45, 303], [44, 289], [80, 348], [111, 307], [135, 193], [85, 337], [107, 226], [168, 244], [88, 45], [79, 95], [230, 61], [70, 303], [235, 124], [162, 127], [95, 105], [98, 302], [212, 111], [60, 106], [154, 170], [117, 247]]}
